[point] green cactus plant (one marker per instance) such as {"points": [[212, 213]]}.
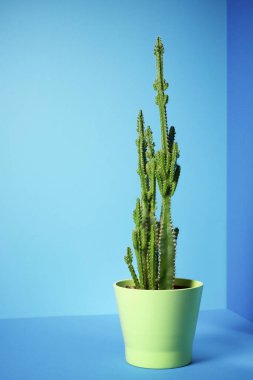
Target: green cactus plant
{"points": [[154, 241]]}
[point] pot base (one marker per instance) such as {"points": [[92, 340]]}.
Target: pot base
{"points": [[158, 360]]}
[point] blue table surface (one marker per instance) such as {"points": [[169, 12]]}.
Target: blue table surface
{"points": [[91, 347]]}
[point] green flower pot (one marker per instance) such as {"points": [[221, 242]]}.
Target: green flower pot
{"points": [[159, 325]]}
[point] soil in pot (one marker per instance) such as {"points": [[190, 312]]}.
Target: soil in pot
{"points": [[176, 287]]}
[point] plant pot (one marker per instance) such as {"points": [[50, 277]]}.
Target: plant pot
{"points": [[158, 326]]}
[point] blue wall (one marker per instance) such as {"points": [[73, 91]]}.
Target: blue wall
{"points": [[240, 157], [73, 76]]}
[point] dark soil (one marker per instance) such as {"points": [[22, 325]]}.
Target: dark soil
{"points": [[181, 287], [176, 287]]}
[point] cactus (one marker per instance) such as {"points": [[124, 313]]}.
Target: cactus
{"points": [[154, 241]]}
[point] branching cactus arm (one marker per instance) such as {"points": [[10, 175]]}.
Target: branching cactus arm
{"points": [[129, 262], [137, 216]]}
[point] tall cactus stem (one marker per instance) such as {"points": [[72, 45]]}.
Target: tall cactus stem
{"points": [[160, 85], [167, 246], [155, 240]]}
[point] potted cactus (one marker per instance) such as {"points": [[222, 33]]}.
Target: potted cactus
{"points": [[158, 312]]}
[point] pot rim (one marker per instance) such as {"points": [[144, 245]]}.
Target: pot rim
{"points": [[195, 284]]}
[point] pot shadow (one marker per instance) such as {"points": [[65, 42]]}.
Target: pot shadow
{"points": [[223, 336]]}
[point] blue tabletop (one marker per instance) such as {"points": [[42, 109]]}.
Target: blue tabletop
{"points": [[91, 347]]}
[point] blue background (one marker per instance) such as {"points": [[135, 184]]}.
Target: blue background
{"points": [[240, 157], [73, 75]]}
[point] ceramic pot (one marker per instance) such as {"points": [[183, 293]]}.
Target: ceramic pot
{"points": [[158, 326]]}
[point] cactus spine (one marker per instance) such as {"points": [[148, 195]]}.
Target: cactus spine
{"points": [[155, 241]]}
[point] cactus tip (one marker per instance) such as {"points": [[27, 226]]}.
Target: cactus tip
{"points": [[159, 49]]}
